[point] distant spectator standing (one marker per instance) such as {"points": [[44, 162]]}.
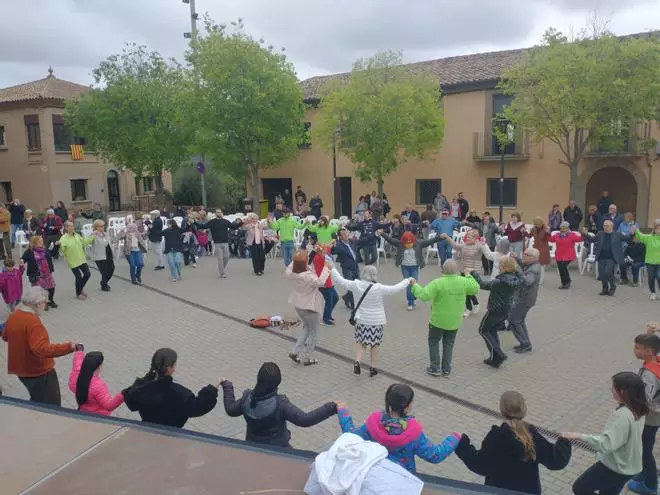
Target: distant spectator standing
{"points": [[554, 218], [60, 211], [29, 351], [604, 203], [464, 206], [440, 202], [300, 195], [17, 214], [95, 214], [573, 215], [5, 231], [316, 205]]}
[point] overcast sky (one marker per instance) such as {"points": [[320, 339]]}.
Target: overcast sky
{"points": [[320, 36]]}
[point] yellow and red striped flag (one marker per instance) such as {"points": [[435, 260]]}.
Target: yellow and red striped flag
{"points": [[77, 152]]}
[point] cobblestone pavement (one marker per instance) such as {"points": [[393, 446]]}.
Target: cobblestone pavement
{"points": [[580, 339]]}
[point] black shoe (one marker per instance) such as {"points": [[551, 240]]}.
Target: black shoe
{"points": [[134, 282], [493, 363], [523, 349], [373, 372], [139, 281], [518, 347], [51, 304], [611, 291], [356, 368], [106, 288], [603, 293], [156, 268], [294, 358]]}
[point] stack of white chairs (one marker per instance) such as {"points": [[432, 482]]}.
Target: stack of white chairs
{"points": [[22, 242], [117, 222], [298, 235], [381, 250], [579, 253], [87, 229], [590, 261], [179, 221], [335, 222], [432, 249], [465, 228]]}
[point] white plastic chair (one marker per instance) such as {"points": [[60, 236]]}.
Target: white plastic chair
{"points": [[179, 221], [335, 222], [579, 253], [458, 237], [87, 229], [590, 261], [464, 229], [530, 242], [381, 250], [164, 220], [432, 249], [296, 218], [21, 241]]}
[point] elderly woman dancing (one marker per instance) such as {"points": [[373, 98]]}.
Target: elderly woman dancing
{"points": [[308, 303], [369, 311]]}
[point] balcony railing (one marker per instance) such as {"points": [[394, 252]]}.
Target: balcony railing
{"points": [[486, 148]]}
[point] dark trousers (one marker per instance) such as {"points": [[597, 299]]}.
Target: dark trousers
{"points": [[649, 474], [81, 273], [258, 256], [331, 299], [44, 389], [447, 337], [600, 480], [51, 294], [635, 267], [52, 239], [490, 323], [470, 302], [106, 269], [653, 271], [564, 276], [348, 297], [6, 245], [487, 264], [369, 253], [517, 323], [606, 274]]}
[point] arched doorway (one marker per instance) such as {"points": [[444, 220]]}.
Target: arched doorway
{"points": [[114, 200], [621, 185]]}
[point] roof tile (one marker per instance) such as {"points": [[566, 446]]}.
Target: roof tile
{"points": [[49, 88]]}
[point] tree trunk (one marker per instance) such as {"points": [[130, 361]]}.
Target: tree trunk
{"points": [[160, 187], [253, 185], [574, 178], [379, 184]]}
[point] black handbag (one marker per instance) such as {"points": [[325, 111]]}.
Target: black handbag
{"points": [[351, 319]]}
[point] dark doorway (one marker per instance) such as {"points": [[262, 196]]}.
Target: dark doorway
{"points": [[345, 198], [620, 184], [6, 189], [273, 187], [114, 200]]}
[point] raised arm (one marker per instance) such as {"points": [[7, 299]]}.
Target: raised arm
{"points": [[427, 293], [203, 403], [391, 240], [105, 398], [347, 426], [484, 284], [393, 289], [337, 279], [435, 454], [233, 407], [300, 418]]}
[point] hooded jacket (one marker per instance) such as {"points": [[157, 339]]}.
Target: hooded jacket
{"points": [[502, 289], [167, 403], [403, 438], [266, 421], [650, 375], [501, 459]]}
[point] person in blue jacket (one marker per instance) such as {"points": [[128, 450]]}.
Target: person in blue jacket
{"points": [[444, 224]]}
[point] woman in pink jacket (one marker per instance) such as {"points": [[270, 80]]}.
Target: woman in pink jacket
{"points": [[255, 241], [565, 252], [308, 303], [92, 394]]}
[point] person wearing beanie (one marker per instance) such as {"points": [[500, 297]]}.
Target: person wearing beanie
{"points": [[266, 411]]}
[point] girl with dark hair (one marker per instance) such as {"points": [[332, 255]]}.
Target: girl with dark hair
{"points": [[510, 454], [92, 394], [266, 412], [159, 400], [619, 447], [398, 431], [173, 236]]}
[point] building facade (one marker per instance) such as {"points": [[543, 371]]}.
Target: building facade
{"points": [[469, 160], [42, 162]]}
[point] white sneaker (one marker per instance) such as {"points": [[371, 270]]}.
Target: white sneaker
{"points": [[653, 296], [410, 308], [475, 309], [194, 265], [467, 313]]}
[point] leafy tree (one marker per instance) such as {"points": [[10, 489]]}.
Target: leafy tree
{"points": [[382, 116], [128, 117], [584, 92], [222, 190], [248, 106]]}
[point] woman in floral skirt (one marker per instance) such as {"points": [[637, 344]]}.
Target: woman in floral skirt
{"points": [[39, 268]]}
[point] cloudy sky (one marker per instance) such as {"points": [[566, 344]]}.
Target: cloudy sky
{"points": [[320, 36]]}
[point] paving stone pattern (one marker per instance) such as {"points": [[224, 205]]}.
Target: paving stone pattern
{"points": [[580, 339]]}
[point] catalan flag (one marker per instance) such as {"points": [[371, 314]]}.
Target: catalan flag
{"points": [[77, 152]]}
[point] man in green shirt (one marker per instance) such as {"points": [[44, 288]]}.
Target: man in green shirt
{"points": [[286, 227], [447, 295]]}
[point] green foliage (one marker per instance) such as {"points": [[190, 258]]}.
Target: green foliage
{"points": [[382, 116], [222, 190], [128, 117], [248, 104], [577, 93]]}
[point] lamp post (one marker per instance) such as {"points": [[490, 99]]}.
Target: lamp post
{"points": [[335, 183]]}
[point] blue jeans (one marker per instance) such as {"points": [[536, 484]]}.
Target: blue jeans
{"points": [[444, 250], [331, 299], [175, 261], [135, 262], [14, 228], [287, 252], [407, 272]]}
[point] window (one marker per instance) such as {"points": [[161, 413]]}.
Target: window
{"points": [[62, 137], [500, 102], [79, 189], [147, 184], [2, 135], [426, 190], [306, 139], [493, 192]]}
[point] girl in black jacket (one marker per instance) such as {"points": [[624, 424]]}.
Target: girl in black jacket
{"points": [[266, 412], [173, 236], [511, 453], [159, 400]]}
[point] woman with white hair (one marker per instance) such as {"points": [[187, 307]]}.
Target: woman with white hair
{"points": [[369, 312], [565, 241], [51, 229], [254, 240], [102, 254]]}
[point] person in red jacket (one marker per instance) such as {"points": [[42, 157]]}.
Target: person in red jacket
{"points": [[29, 351], [565, 252], [330, 295]]}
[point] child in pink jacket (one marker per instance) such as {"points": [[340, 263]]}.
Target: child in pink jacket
{"points": [[92, 394], [11, 283]]}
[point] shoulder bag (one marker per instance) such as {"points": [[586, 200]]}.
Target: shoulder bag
{"points": [[351, 319]]}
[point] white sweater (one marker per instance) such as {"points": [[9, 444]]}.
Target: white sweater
{"points": [[372, 309]]}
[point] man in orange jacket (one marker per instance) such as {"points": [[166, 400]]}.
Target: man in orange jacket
{"points": [[29, 351]]}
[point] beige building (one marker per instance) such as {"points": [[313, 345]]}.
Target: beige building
{"points": [[42, 162], [469, 160]]}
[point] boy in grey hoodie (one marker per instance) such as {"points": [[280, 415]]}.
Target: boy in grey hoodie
{"points": [[647, 347]]}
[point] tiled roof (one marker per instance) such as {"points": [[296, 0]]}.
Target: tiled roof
{"points": [[48, 88], [451, 71]]}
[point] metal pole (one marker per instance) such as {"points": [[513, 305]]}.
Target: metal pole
{"points": [[502, 185], [335, 189]]}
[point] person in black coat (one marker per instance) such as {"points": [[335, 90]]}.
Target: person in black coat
{"points": [[635, 255], [608, 251], [156, 238], [573, 215], [510, 454], [411, 214], [266, 412], [159, 400], [346, 253]]}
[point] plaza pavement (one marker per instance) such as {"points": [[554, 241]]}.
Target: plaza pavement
{"points": [[580, 339]]}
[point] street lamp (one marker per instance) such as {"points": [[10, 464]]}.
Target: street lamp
{"points": [[505, 136]]}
